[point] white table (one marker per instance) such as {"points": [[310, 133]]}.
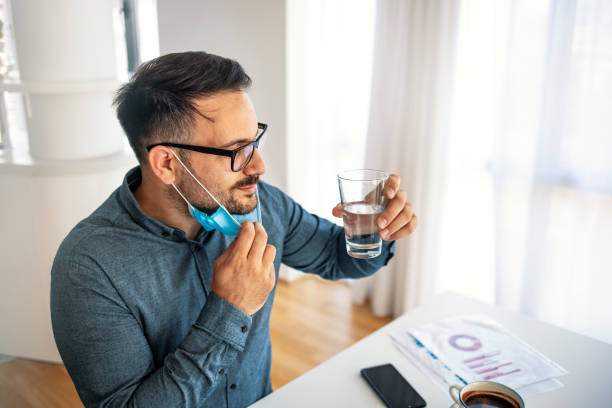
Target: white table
{"points": [[338, 383]]}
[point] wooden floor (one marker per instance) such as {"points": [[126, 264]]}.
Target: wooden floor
{"points": [[312, 320]]}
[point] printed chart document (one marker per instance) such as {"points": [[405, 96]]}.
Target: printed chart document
{"points": [[471, 348]]}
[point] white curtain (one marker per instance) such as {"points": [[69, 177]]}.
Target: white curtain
{"points": [[329, 69], [409, 113], [329, 66], [497, 116], [529, 192]]}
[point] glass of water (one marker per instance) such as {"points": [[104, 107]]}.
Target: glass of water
{"points": [[361, 193]]}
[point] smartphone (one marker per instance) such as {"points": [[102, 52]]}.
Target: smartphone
{"points": [[392, 388]]}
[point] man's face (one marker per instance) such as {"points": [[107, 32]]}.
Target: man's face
{"points": [[233, 124]]}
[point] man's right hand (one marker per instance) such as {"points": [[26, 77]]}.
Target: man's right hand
{"points": [[244, 274]]}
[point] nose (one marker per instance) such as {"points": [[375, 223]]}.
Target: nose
{"points": [[256, 166]]}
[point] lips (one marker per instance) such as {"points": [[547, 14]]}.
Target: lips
{"points": [[248, 189]]}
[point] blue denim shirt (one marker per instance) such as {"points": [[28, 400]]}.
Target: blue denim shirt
{"points": [[134, 318]]}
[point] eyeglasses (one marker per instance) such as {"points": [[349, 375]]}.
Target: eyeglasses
{"points": [[241, 156]]}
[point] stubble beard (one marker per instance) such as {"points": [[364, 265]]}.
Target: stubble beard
{"points": [[200, 199]]}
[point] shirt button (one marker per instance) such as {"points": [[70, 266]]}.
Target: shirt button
{"points": [[244, 329], [233, 386], [221, 371], [165, 234]]}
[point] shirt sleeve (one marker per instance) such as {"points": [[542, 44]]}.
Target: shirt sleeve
{"points": [[107, 354], [316, 245]]}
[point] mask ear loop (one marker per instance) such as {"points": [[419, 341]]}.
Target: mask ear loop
{"points": [[258, 205], [201, 185], [196, 179], [182, 196]]}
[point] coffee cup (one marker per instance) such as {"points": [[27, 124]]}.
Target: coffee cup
{"points": [[485, 394]]}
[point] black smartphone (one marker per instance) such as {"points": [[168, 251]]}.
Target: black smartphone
{"points": [[392, 388]]}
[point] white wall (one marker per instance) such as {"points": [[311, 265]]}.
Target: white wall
{"points": [[40, 204], [254, 34]]}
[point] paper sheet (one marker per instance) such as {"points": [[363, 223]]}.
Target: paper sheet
{"points": [[476, 348]]}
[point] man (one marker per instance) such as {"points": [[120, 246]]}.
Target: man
{"points": [[149, 308]]}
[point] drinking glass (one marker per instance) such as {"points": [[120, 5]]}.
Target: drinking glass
{"points": [[361, 194]]}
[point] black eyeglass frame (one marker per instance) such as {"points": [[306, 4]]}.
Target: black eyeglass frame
{"points": [[220, 152]]}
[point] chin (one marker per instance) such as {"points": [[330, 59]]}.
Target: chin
{"points": [[244, 204], [251, 204]]}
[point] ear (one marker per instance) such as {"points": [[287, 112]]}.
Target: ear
{"points": [[163, 164]]}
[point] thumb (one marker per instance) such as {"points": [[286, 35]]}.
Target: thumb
{"points": [[337, 210]]}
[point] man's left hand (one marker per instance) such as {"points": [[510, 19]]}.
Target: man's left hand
{"points": [[398, 220]]}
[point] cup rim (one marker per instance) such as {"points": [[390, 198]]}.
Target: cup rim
{"points": [[512, 393], [342, 175]]}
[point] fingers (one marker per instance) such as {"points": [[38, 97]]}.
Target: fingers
{"points": [[392, 186], [260, 253], [259, 243], [406, 230], [394, 207], [244, 240], [402, 219], [268, 258], [337, 210]]}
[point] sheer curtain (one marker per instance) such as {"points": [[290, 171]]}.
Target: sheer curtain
{"points": [[497, 115], [409, 112], [529, 193], [329, 67]]}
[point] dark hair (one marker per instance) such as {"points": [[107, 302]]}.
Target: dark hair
{"points": [[157, 102]]}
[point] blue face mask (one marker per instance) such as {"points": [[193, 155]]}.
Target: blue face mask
{"points": [[221, 220]]}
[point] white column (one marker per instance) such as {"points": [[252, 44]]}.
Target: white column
{"points": [[68, 69], [67, 57]]}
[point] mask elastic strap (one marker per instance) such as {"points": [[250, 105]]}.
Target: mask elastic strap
{"points": [[182, 196], [258, 205], [195, 178]]}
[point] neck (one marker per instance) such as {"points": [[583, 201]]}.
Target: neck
{"points": [[153, 200]]}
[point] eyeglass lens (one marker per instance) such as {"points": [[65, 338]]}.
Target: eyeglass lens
{"points": [[243, 157], [245, 154]]}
